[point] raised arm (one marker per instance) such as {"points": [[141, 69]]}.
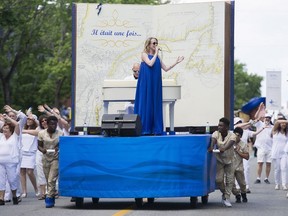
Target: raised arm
{"points": [[178, 60], [259, 130], [260, 112], [31, 132], [43, 110], [277, 123], [1, 121], [13, 122], [244, 125]]}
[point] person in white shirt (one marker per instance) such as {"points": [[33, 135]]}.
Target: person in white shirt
{"points": [[129, 106], [21, 118], [263, 143], [28, 150], [9, 158], [278, 154], [135, 75]]}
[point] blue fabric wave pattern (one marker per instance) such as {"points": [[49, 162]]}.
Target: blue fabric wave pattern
{"points": [[147, 166]]}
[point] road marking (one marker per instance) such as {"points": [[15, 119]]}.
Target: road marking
{"points": [[123, 212], [128, 209]]}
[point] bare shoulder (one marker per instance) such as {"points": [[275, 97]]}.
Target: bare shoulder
{"points": [[144, 54]]}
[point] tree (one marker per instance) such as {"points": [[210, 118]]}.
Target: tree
{"points": [[35, 50], [246, 86], [20, 41]]}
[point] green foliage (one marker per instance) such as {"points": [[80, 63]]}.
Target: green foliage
{"points": [[246, 86], [35, 50]]}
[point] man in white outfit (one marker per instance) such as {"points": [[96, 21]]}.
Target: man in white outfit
{"points": [[264, 145], [129, 106]]}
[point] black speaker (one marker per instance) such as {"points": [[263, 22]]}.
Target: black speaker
{"points": [[121, 125]]}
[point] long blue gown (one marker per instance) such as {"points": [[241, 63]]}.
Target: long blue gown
{"points": [[148, 99]]}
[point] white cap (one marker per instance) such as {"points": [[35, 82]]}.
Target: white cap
{"points": [[35, 117], [267, 115], [237, 120]]}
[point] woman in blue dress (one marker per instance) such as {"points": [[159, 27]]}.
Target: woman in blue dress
{"points": [[148, 100]]}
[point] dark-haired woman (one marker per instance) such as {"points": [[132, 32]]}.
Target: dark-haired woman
{"points": [[29, 149]]}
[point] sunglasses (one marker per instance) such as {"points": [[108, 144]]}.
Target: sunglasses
{"points": [[155, 43]]}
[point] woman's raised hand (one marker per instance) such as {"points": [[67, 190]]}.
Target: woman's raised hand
{"points": [[180, 59]]}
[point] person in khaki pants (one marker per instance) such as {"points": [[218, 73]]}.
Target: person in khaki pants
{"points": [[48, 144], [241, 152], [224, 140]]}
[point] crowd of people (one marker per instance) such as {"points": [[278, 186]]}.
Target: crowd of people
{"points": [[271, 140], [29, 147]]}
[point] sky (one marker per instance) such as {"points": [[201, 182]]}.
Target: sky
{"points": [[261, 38]]}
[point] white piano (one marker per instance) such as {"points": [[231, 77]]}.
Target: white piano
{"points": [[124, 91]]}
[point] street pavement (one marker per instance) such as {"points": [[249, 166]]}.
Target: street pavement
{"points": [[263, 201]]}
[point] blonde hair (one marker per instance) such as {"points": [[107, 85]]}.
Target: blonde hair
{"points": [[147, 43]]}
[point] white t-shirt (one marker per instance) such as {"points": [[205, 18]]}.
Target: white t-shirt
{"points": [[246, 134], [129, 106], [279, 145], [29, 143], [9, 151], [263, 139]]}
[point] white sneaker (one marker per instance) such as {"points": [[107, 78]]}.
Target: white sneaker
{"points": [[226, 203], [277, 187], [284, 187]]}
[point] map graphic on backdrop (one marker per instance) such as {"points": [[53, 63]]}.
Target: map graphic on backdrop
{"points": [[108, 44]]}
